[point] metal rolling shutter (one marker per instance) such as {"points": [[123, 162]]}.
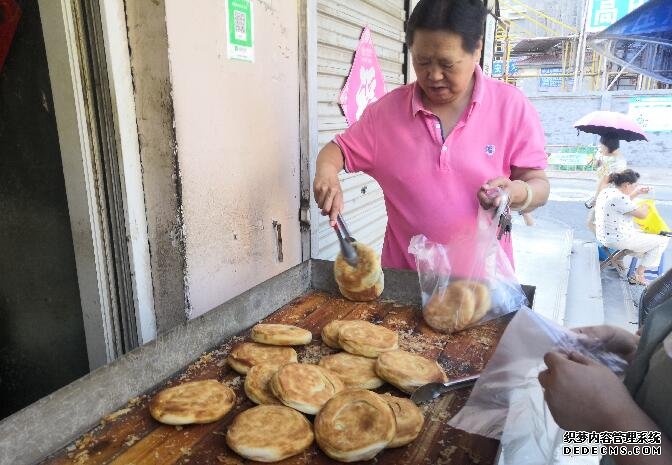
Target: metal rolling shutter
{"points": [[339, 26]]}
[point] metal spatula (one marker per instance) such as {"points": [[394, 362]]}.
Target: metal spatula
{"points": [[433, 390], [347, 249]]}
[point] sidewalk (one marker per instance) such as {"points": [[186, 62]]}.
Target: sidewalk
{"points": [[650, 176], [542, 254]]}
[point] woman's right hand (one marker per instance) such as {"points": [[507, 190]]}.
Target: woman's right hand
{"points": [[328, 195], [326, 186], [613, 339]]}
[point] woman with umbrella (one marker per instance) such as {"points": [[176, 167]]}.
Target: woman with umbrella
{"points": [[612, 127], [608, 160]]}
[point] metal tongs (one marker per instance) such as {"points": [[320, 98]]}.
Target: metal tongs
{"points": [[347, 249], [431, 391]]}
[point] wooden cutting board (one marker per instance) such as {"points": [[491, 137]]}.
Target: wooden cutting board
{"points": [[131, 437]]}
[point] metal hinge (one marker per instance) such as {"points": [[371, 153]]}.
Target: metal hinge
{"points": [[304, 216]]}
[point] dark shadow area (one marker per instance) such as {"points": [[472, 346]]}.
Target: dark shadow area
{"points": [[42, 344]]}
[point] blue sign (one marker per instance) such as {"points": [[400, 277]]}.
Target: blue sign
{"points": [[653, 20], [649, 24], [498, 68], [553, 81], [604, 13]]}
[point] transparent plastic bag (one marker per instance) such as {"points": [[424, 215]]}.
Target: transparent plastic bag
{"points": [[507, 402], [468, 281]]}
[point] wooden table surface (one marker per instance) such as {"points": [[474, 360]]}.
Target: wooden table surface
{"points": [[131, 437]]}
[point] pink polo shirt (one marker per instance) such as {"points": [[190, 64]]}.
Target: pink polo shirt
{"points": [[430, 184]]}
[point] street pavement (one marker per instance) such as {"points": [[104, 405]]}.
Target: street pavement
{"points": [[565, 208]]}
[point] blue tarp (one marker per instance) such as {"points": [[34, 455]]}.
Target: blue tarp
{"points": [[641, 40]]}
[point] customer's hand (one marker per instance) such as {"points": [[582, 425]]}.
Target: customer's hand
{"points": [[582, 394], [516, 191], [613, 339]]}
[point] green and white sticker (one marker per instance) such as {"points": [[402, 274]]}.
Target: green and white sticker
{"points": [[239, 30]]}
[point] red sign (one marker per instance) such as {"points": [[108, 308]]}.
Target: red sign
{"points": [[9, 18], [365, 83]]}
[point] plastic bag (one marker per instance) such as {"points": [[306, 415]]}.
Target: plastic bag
{"points": [[468, 281], [653, 223], [507, 402]]}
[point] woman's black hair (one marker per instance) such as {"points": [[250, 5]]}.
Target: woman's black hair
{"points": [[626, 176], [610, 142], [465, 18]]}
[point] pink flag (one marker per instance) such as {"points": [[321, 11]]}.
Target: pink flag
{"points": [[365, 84]]}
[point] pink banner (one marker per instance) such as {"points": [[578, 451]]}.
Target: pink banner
{"points": [[365, 84]]}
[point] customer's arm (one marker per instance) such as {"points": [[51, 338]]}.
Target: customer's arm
{"points": [[642, 210], [584, 395]]}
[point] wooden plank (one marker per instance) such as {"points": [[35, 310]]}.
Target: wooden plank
{"points": [[467, 352], [132, 436]]}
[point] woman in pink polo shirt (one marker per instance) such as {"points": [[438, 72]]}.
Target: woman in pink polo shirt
{"points": [[437, 145]]}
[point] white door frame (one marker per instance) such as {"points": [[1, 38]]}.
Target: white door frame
{"points": [[113, 18], [85, 209]]}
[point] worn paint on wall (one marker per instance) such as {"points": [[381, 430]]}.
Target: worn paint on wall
{"points": [[42, 345], [237, 127], [148, 43]]}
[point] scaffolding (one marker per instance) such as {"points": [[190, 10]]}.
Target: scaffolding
{"points": [[579, 64]]}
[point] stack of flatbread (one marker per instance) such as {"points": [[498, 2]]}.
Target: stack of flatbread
{"points": [[363, 282], [283, 388], [357, 423], [352, 422], [460, 305]]}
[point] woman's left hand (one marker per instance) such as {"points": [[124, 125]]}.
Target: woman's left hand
{"points": [[582, 395], [640, 190], [516, 190]]}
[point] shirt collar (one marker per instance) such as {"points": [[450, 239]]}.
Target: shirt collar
{"points": [[476, 93]]}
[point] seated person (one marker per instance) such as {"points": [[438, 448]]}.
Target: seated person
{"points": [[615, 228], [584, 395]]}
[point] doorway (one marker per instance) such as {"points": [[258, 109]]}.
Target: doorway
{"points": [[69, 292], [42, 340]]}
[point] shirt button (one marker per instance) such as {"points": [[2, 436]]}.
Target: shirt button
{"points": [[438, 125], [444, 148]]}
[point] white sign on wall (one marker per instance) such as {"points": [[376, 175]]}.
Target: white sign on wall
{"points": [[652, 113]]}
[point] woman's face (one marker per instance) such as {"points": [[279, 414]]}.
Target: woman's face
{"points": [[628, 188], [444, 70], [604, 150]]}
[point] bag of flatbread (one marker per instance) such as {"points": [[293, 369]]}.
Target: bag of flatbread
{"points": [[507, 401], [468, 279], [363, 282]]}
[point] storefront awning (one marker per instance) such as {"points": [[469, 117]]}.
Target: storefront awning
{"points": [[641, 41]]}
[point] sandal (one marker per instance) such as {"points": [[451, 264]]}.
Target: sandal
{"points": [[637, 280]]}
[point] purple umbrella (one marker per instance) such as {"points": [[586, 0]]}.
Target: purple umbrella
{"points": [[611, 124]]}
